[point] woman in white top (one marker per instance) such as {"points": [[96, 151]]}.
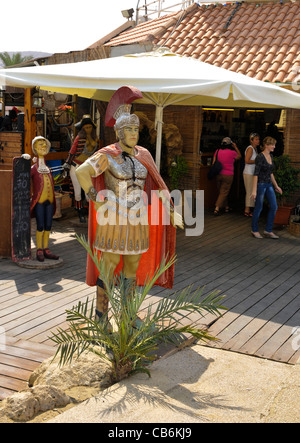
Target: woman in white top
{"points": [[250, 156]]}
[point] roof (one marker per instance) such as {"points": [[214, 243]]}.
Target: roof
{"points": [[258, 40], [124, 27]]}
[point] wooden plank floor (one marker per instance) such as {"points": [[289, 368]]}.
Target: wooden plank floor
{"points": [[17, 361], [260, 279]]}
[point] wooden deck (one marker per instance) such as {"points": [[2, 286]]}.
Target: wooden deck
{"points": [[260, 278]]}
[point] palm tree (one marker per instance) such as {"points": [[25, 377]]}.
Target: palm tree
{"points": [[130, 348], [14, 58]]}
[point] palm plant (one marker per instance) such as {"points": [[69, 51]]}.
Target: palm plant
{"points": [[14, 58], [130, 348]]}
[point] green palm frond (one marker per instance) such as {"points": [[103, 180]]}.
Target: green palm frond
{"points": [[128, 348], [10, 59]]}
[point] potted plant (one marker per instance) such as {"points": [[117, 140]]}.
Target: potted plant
{"points": [[177, 171], [128, 348], [287, 177]]}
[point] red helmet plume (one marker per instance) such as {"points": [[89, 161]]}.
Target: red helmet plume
{"points": [[123, 96]]}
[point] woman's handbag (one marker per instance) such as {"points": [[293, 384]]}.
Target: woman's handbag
{"points": [[215, 169]]}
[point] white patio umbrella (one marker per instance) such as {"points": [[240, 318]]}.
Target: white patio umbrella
{"points": [[164, 79]]}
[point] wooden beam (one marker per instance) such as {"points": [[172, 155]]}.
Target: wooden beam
{"points": [[29, 121], [5, 211], [75, 110]]}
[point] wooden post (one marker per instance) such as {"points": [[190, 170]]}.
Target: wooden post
{"points": [[75, 110], [29, 121], [159, 124], [5, 211]]}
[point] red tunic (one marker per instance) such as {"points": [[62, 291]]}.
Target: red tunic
{"points": [[38, 186], [76, 150]]}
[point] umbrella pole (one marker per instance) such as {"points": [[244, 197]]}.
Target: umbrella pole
{"points": [[158, 125]]}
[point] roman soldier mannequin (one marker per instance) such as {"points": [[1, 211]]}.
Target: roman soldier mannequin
{"points": [[85, 144], [119, 224], [43, 202]]}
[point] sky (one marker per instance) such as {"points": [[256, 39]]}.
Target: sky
{"points": [[59, 25]]}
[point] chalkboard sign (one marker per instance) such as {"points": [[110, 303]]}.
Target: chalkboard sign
{"points": [[21, 227]]}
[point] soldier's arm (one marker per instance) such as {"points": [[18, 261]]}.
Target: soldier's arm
{"points": [[84, 173]]}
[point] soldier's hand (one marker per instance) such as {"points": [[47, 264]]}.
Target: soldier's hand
{"points": [[176, 220], [98, 205]]}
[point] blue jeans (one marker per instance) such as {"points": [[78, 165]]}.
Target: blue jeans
{"points": [[264, 189]]}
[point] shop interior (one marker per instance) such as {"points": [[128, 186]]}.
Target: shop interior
{"points": [[237, 124]]}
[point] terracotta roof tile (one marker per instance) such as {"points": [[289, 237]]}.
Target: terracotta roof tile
{"points": [[226, 64], [189, 51], [280, 77], [276, 66], [220, 59], [244, 66], [260, 40], [175, 48], [289, 57], [281, 58], [259, 58], [260, 75], [285, 66], [254, 67], [270, 76], [240, 58]]}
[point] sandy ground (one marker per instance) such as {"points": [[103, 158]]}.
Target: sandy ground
{"points": [[198, 385]]}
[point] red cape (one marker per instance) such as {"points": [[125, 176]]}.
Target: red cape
{"points": [[161, 237]]}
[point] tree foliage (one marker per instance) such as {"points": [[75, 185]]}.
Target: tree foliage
{"points": [[14, 58], [287, 177]]}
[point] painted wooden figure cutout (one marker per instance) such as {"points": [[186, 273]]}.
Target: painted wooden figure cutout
{"points": [[43, 204], [85, 145], [125, 173]]}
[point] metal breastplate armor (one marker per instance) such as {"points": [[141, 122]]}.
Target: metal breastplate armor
{"points": [[125, 177]]}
